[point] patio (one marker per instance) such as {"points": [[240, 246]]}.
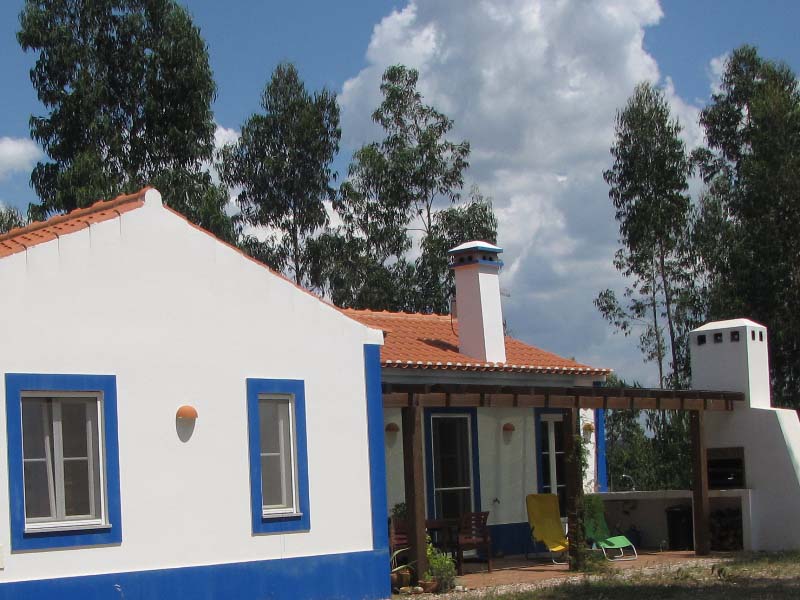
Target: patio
{"points": [[517, 570]]}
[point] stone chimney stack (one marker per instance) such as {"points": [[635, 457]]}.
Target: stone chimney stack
{"points": [[480, 316]]}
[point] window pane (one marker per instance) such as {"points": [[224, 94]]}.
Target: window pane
{"points": [[277, 473], [545, 469], [451, 504], [76, 488], [451, 452], [558, 434], [544, 436], [34, 427], [37, 490], [271, 481], [73, 428], [270, 427]]}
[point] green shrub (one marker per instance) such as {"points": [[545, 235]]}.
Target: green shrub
{"points": [[441, 568]]}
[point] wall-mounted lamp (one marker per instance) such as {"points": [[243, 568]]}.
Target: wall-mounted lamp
{"points": [[508, 427], [186, 412], [392, 428]]}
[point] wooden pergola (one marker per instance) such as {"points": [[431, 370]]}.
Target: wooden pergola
{"points": [[413, 398]]}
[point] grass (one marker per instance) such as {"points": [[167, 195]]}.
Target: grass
{"points": [[745, 577]]}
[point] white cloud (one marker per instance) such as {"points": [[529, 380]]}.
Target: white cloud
{"points": [[715, 71], [534, 85], [17, 154]]}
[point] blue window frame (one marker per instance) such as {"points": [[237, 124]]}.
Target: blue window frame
{"points": [[279, 503], [64, 534]]}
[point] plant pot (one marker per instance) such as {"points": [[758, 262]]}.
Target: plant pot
{"points": [[429, 586], [403, 578], [394, 581]]}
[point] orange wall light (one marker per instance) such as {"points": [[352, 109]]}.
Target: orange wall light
{"points": [[392, 428], [186, 412], [508, 427]]}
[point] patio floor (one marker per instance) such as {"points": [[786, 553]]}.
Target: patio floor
{"points": [[519, 570]]}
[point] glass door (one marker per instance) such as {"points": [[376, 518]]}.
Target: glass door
{"points": [[451, 446]]}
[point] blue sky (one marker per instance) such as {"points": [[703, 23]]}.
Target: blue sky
{"points": [[534, 87]]}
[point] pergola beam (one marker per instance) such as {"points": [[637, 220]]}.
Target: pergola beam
{"points": [[449, 395]]}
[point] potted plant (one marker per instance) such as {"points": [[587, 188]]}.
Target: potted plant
{"points": [[400, 574], [441, 573]]}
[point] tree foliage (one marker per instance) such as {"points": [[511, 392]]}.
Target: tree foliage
{"points": [[648, 188], [10, 218], [650, 450], [750, 213], [403, 188], [128, 90], [282, 163]]}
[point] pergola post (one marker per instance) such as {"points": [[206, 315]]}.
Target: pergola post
{"points": [[415, 485], [573, 487], [700, 505]]}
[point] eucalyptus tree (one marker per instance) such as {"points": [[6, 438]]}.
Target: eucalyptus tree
{"points": [[648, 188], [282, 165], [10, 218], [127, 88], [747, 234], [402, 194]]}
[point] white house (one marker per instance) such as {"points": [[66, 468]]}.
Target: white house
{"points": [[114, 317], [488, 454]]}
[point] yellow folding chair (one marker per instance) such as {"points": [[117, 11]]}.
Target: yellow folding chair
{"points": [[544, 519]]}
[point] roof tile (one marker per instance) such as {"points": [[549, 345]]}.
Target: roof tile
{"points": [[421, 341], [22, 238]]}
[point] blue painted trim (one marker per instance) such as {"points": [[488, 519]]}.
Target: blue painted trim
{"points": [[537, 424], [278, 523], [16, 383], [335, 576], [512, 539], [377, 456], [476, 470], [600, 449]]}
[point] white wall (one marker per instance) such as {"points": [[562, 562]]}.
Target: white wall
{"points": [[182, 319]]}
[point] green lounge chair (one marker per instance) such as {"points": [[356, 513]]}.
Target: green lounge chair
{"points": [[598, 534]]}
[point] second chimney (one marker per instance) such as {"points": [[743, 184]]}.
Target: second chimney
{"points": [[480, 317]]}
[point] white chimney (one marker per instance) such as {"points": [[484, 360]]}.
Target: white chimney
{"points": [[732, 356], [480, 316]]}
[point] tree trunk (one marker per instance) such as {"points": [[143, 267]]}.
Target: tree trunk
{"points": [[668, 306], [657, 331]]}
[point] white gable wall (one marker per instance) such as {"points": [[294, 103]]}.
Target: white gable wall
{"points": [[180, 318]]}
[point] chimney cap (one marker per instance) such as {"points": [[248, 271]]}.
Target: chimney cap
{"points": [[475, 245]]}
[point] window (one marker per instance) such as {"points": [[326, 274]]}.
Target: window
{"points": [[278, 455], [552, 463], [278, 478], [63, 468], [717, 338], [62, 462], [734, 336], [701, 339]]}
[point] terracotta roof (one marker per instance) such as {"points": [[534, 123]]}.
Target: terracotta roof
{"points": [[21, 238], [417, 341]]}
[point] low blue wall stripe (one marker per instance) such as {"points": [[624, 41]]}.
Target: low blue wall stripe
{"points": [[361, 575]]}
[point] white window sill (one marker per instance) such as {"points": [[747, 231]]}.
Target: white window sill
{"points": [[280, 515], [65, 526]]}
